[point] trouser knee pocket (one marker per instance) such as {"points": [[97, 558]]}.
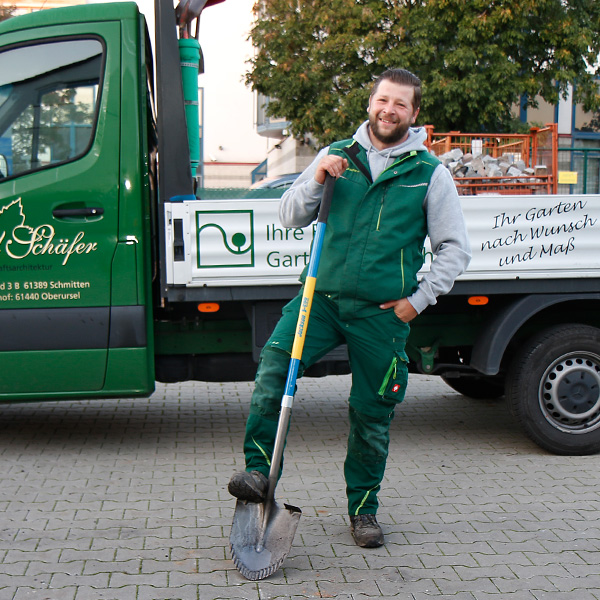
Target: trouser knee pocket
{"points": [[393, 387]]}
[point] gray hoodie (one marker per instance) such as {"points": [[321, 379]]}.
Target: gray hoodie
{"points": [[445, 223]]}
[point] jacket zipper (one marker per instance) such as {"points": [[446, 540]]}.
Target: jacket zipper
{"points": [[399, 162], [381, 209]]}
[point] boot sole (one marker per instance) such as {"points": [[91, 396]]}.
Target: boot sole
{"points": [[242, 490], [369, 544]]}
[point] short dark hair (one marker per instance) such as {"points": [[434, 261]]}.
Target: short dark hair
{"points": [[402, 77]]}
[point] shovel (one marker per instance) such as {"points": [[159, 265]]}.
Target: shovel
{"points": [[262, 533]]}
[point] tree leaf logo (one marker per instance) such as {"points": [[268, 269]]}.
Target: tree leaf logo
{"points": [[225, 239], [12, 217]]}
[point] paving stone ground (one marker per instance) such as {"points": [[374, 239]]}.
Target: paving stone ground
{"points": [[127, 500]]}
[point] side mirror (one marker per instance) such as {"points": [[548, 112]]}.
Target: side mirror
{"points": [[3, 166]]}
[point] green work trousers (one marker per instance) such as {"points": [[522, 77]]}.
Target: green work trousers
{"points": [[379, 375]]}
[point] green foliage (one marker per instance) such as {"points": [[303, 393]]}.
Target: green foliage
{"points": [[316, 60], [6, 12]]}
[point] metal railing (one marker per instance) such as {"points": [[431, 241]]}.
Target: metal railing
{"points": [[586, 163]]}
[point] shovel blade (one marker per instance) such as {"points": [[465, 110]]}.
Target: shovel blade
{"points": [[258, 548]]}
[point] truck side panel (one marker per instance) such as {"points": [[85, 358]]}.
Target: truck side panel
{"points": [[71, 222]]}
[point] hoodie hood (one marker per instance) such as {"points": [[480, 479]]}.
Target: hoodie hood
{"points": [[379, 160]]}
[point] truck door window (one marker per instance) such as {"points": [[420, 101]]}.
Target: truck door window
{"points": [[48, 103]]}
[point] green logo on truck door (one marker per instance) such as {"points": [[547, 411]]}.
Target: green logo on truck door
{"points": [[225, 238], [19, 240]]}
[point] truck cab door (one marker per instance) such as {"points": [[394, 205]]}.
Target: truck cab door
{"points": [[59, 206]]}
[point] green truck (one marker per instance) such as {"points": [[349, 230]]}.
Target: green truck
{"points": [[114, 274]]}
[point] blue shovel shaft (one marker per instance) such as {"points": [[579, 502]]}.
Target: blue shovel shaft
{"points": [[302, 325]]}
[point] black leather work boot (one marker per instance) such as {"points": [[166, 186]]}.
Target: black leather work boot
{"points": [[366, 531], [251, 487]]}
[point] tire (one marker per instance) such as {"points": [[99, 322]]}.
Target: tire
{"points": [[553, 389], [477, 387]]}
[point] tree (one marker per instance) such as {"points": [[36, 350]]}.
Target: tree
{"points": [[6, 12], [316, 60]]}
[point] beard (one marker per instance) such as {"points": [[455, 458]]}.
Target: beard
{"points": [[391, 137]]}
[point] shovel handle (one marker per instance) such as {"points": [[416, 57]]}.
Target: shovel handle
{"points": [[308, 292], [326, 200], [301, 326]]}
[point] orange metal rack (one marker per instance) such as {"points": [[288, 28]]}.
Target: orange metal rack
{"points": [[538, 148]]}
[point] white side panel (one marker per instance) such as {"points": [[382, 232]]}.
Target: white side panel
{"points": [[240, 242], [531, 237]]}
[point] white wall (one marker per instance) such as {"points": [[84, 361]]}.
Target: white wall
{"points": [[229, 114], [565, 113]]}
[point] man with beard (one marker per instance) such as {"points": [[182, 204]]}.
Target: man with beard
{"points": [[389, 194]]}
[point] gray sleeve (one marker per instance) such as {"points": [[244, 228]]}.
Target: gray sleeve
{"points": [[299, 205], [449, 240]]}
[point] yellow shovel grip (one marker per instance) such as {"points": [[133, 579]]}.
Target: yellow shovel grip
{"points": [[303, 315]]}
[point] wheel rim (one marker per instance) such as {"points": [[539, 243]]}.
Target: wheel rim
{"points": [[570, 393]]}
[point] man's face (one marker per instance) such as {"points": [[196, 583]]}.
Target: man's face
{"points": [[391, 114]]}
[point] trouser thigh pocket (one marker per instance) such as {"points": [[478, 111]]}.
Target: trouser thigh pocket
{"points": [[393, 386]]}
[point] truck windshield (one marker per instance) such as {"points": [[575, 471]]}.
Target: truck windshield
{"points": [[48, 99]]}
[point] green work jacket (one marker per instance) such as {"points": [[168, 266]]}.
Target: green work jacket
{"points": [[373, 244]]}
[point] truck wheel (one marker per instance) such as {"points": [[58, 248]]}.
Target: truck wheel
{"points": [[554, 389], [478, 387]]}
